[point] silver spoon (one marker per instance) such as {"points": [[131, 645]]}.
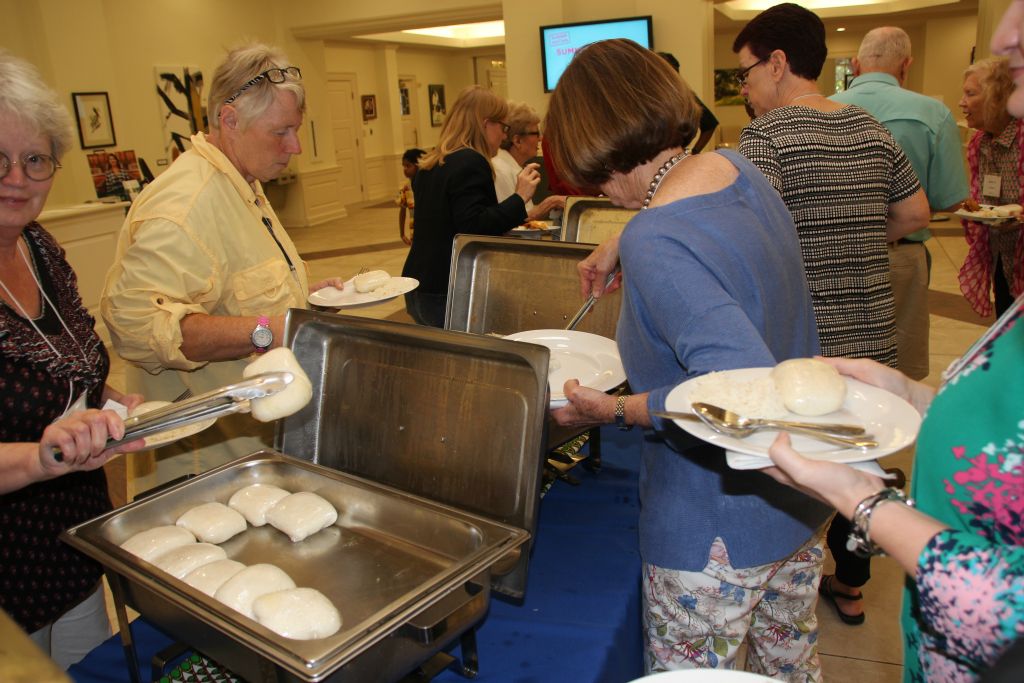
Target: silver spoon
{"points": [[714, 419]]}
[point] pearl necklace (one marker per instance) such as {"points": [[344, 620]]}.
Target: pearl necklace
{"points": [[660, 176]]}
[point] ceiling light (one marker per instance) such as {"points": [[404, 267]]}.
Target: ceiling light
{"points": [[483, 29], [840, 29]]}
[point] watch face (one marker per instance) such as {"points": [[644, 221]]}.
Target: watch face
{"points": [[262, 337]]}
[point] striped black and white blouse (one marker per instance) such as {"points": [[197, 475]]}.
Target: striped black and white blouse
{"points": [[838, 172]]}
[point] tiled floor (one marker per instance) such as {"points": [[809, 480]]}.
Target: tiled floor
{"points": [[368, 237]]}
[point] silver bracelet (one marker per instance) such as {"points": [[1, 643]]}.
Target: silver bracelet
{"points": [[859, 541]]}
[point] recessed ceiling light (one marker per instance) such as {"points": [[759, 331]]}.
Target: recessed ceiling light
{"points": [[841, 29]]}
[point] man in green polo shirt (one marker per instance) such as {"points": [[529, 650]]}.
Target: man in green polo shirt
{"points": [[925, 129]]}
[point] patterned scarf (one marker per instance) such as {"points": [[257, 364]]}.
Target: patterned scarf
{"points": [[976, 272]]}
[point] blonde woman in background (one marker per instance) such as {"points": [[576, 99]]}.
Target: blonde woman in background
{"points": [[454, 191], [519, 146], [995, 257]]}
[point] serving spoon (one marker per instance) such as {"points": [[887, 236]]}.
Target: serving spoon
{"points": [[730, 424]]}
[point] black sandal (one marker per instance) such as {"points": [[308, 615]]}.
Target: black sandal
{"points": [[826, 591]]}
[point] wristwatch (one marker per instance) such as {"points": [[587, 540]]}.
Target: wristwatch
{"points": [[620, 414], [262, 336]]}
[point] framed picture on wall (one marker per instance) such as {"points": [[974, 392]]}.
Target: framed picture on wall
{"points": [[369, 107], [95, 125], [437, 107]]}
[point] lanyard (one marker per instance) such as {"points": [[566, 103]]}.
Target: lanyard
{"points": [[270, 228]]}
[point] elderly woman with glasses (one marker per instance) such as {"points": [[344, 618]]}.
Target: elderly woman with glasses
{"points": [[204, 272], [53, 371], [454, 191], [519, 146], [994, 266], [852, 193]]}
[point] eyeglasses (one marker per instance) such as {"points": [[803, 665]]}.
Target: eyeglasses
{"points": [[505, 128], [744, 73], [38, 167], [273, 75]]}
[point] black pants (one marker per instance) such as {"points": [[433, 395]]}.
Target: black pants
{"points": [[850, 569], [425, 308], [1001, 288]]}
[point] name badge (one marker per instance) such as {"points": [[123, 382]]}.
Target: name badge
{"points": [[990, 185]]}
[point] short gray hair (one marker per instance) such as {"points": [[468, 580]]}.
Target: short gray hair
{"points": [[884, 48], [241, 65], [520, 117], [24, 96]]}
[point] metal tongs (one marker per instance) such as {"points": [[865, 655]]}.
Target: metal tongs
{"points": [[233, 398], [589, 303]]}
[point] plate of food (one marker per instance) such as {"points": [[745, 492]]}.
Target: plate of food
{"points": [[171, 435], [592, 359], [536, 227], [754, 392], [363, 290], [989, 213]]}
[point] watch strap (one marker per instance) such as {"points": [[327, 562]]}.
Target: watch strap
{"points": [[620, 413]]}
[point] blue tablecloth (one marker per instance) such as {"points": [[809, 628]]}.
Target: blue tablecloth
{"points": [[580, 620]]}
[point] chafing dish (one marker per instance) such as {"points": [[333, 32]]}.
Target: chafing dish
{"points": [[593, 219], [430, 445]]}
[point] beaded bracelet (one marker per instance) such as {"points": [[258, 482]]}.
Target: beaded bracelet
{"points": [[859, 541]]}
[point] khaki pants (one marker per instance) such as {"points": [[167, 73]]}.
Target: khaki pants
{"points": [[908, 269]]}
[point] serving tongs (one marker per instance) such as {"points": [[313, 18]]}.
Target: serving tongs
{"points": [[233, 398], [589, 303]]}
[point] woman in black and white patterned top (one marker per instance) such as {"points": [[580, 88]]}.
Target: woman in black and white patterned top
{"points": [[851, 191], [847, 183]]}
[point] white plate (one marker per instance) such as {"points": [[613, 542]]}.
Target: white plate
{"points": [[171, 435], [891, 421], [590, 358], [979, 217], [704, 676], [534, 233], [332, 297]]}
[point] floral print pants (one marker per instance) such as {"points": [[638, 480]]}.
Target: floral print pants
{"points": [[699, 619]]}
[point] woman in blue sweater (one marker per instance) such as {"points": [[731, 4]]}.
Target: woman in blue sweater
{"points": [[713, 280]]}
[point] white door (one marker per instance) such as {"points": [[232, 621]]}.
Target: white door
{"points": [[407, 101], [345, 124]]}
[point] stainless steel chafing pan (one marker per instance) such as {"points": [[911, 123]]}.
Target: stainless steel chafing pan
{"points": [[407, 574], [457, 418], [500, 285], [593, 219]]}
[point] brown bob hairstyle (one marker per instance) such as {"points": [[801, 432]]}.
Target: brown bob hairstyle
{"points": [[616, 106]]}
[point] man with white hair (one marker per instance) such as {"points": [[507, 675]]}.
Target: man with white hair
{"points": [[925, 129], [204, 272]]}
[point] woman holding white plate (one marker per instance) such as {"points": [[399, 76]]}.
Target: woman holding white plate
{"points": [[712, 280], [963, 547]]}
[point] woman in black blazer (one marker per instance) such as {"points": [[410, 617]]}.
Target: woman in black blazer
{"points": [[454, 192]]}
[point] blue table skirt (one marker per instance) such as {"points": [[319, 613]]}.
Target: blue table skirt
{"points": [[580, 620]]}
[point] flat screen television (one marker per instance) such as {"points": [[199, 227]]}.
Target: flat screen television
{"points": [[559, 42]]}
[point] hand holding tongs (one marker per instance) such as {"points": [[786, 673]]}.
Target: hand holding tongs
{"points": [[233, 398], [589, 303]]}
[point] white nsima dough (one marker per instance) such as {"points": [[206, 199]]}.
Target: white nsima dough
{"points": [[254, 501], [809, 386], [181, 560], [289, 400], [212, 522], [298, 613], [158, 540], [367, 282], [301, 514], [209, 577], [240, 590]]}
